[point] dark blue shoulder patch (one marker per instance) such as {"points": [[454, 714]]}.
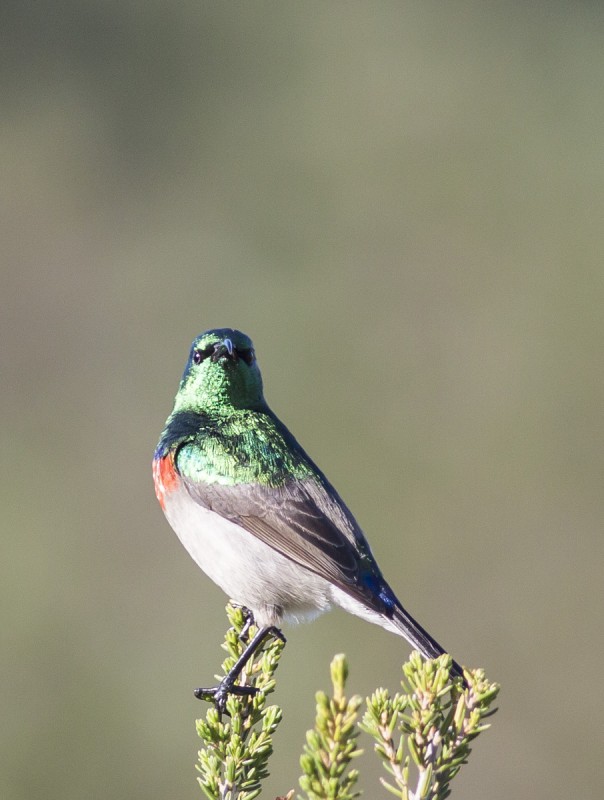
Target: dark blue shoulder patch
{"points": [[381, 593]]}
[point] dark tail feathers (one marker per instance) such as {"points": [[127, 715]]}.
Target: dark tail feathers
{"points": [[421, 639]]}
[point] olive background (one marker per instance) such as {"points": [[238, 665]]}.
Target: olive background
{"points": [[402, 204]]}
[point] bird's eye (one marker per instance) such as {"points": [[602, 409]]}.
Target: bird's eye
{"points": [[200, 355], [247, 354]]}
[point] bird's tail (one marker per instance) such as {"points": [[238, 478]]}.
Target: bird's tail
{"points": [[420, 638]]}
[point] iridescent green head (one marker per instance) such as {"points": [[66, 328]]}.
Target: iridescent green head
{"points": [[221, 374]]}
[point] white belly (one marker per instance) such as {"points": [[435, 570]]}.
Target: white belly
{"points": [[251, 573]]}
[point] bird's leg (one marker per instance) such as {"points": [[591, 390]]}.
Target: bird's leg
{"points": [[248, 616], [227, 685]]}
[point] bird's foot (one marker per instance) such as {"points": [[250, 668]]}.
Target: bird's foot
{"points": [[248, 616], [248, 620], [227, 685], [219, 694]]}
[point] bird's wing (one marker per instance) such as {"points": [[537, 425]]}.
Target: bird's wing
{"points": [[301, 520]]}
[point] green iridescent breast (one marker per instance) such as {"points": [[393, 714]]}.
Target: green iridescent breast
{"points": [[247, 447]]}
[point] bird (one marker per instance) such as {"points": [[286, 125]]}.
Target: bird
{"points": [[257, 514]]}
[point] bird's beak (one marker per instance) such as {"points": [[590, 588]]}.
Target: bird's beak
{"points": [[224, 348]]}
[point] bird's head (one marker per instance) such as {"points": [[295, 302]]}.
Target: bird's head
{"points": [[221, 374]]}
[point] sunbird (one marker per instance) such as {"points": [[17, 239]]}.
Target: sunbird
{"points": [[256, 513]]}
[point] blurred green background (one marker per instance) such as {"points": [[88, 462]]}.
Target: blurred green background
{"points": [[402, 204]]}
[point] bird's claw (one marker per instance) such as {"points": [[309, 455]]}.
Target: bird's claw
{"points": [[248, 616], [219, 694]]}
